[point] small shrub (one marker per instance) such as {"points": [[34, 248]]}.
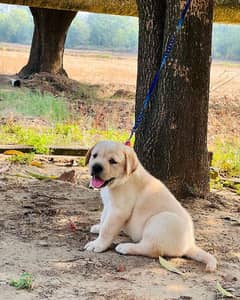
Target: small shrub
{"points": [[25, 281]]}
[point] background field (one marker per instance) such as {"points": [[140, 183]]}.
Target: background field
{"points": [[107, 68]]}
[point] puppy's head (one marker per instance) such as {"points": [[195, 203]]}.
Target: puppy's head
{"points": [[110, 164]]}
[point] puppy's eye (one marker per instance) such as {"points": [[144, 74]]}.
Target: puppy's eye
{"points": [[94, 155], [112, 161]]}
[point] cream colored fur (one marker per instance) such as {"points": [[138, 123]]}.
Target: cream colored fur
{"points": [[143, 207]]}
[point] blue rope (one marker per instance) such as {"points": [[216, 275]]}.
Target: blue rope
{"points": [[165, 56]]}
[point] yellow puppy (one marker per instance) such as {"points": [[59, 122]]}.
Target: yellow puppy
{"points": [[140, 205]]}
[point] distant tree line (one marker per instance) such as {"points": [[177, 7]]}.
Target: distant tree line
{"points": [[92, 31], [103, 31], [87, 30], [16, 26]]}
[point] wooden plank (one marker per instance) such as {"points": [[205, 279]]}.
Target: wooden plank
{"points": [[68, 151], [22, 148], [54, 150]]}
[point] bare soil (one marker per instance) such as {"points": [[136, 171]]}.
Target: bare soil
{"points": [[37, 235]]}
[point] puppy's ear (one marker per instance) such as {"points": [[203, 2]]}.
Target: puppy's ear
{"points": [[131, 160], [88, 155]]}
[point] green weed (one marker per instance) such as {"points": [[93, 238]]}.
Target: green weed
{"points": [[23, 159], [59, 134], [226, 156], [34, 104], [225, 165], [81, 161], [25, 281], [39, 138]]}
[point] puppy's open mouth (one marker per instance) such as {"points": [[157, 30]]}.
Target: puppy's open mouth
{"points": [[98, 183]]}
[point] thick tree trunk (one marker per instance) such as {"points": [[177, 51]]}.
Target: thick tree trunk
{"points": [[172, 139], [50, 30]]}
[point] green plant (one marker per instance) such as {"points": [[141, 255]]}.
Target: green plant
{"points": [[226, 156], [22, 159], [25, 281], [34, 104], [59, 134], [81, 161], [225, 164]]}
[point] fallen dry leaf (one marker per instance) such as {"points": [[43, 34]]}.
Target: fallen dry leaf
{"points": [[41, 176], [224, 292], [167, 265], [37, 164], [13, 152], [68, 176], [72, 225]]}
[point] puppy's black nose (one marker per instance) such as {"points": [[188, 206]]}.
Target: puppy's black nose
{"points": [[96, 169]]}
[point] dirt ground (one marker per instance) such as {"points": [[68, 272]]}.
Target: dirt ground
{"points": [[36, 236]]}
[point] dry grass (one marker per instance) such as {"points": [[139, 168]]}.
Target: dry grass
{"points": [[114, 71], [105, 69]]}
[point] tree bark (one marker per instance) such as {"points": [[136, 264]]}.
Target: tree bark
{"points": [[50, 30], [172, 139]]}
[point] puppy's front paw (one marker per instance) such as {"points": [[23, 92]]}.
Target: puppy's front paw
{"points": [[95, 228], [96, 246], [123, 248]]}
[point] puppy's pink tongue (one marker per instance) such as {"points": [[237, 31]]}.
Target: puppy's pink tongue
{"points": [[96, 182]]}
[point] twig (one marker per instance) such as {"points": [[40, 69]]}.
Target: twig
{"points": [[19, 175], [68, 260]]}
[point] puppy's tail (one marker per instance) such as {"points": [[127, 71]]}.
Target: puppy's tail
{"points": [[199, 254]]}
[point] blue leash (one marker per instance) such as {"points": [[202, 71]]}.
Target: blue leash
{"points": [[165, 56]]}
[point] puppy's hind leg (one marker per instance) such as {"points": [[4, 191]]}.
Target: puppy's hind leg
{"points": [[199, 254], [141, 248], [164, 234]]}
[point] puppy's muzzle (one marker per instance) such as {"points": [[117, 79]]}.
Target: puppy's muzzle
{"points": [[96, 169]]}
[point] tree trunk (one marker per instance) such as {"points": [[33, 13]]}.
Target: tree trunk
{"points": [[50, 30], [172, 139]]}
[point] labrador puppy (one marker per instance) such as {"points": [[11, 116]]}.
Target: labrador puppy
{"points": [[140, 205]]}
